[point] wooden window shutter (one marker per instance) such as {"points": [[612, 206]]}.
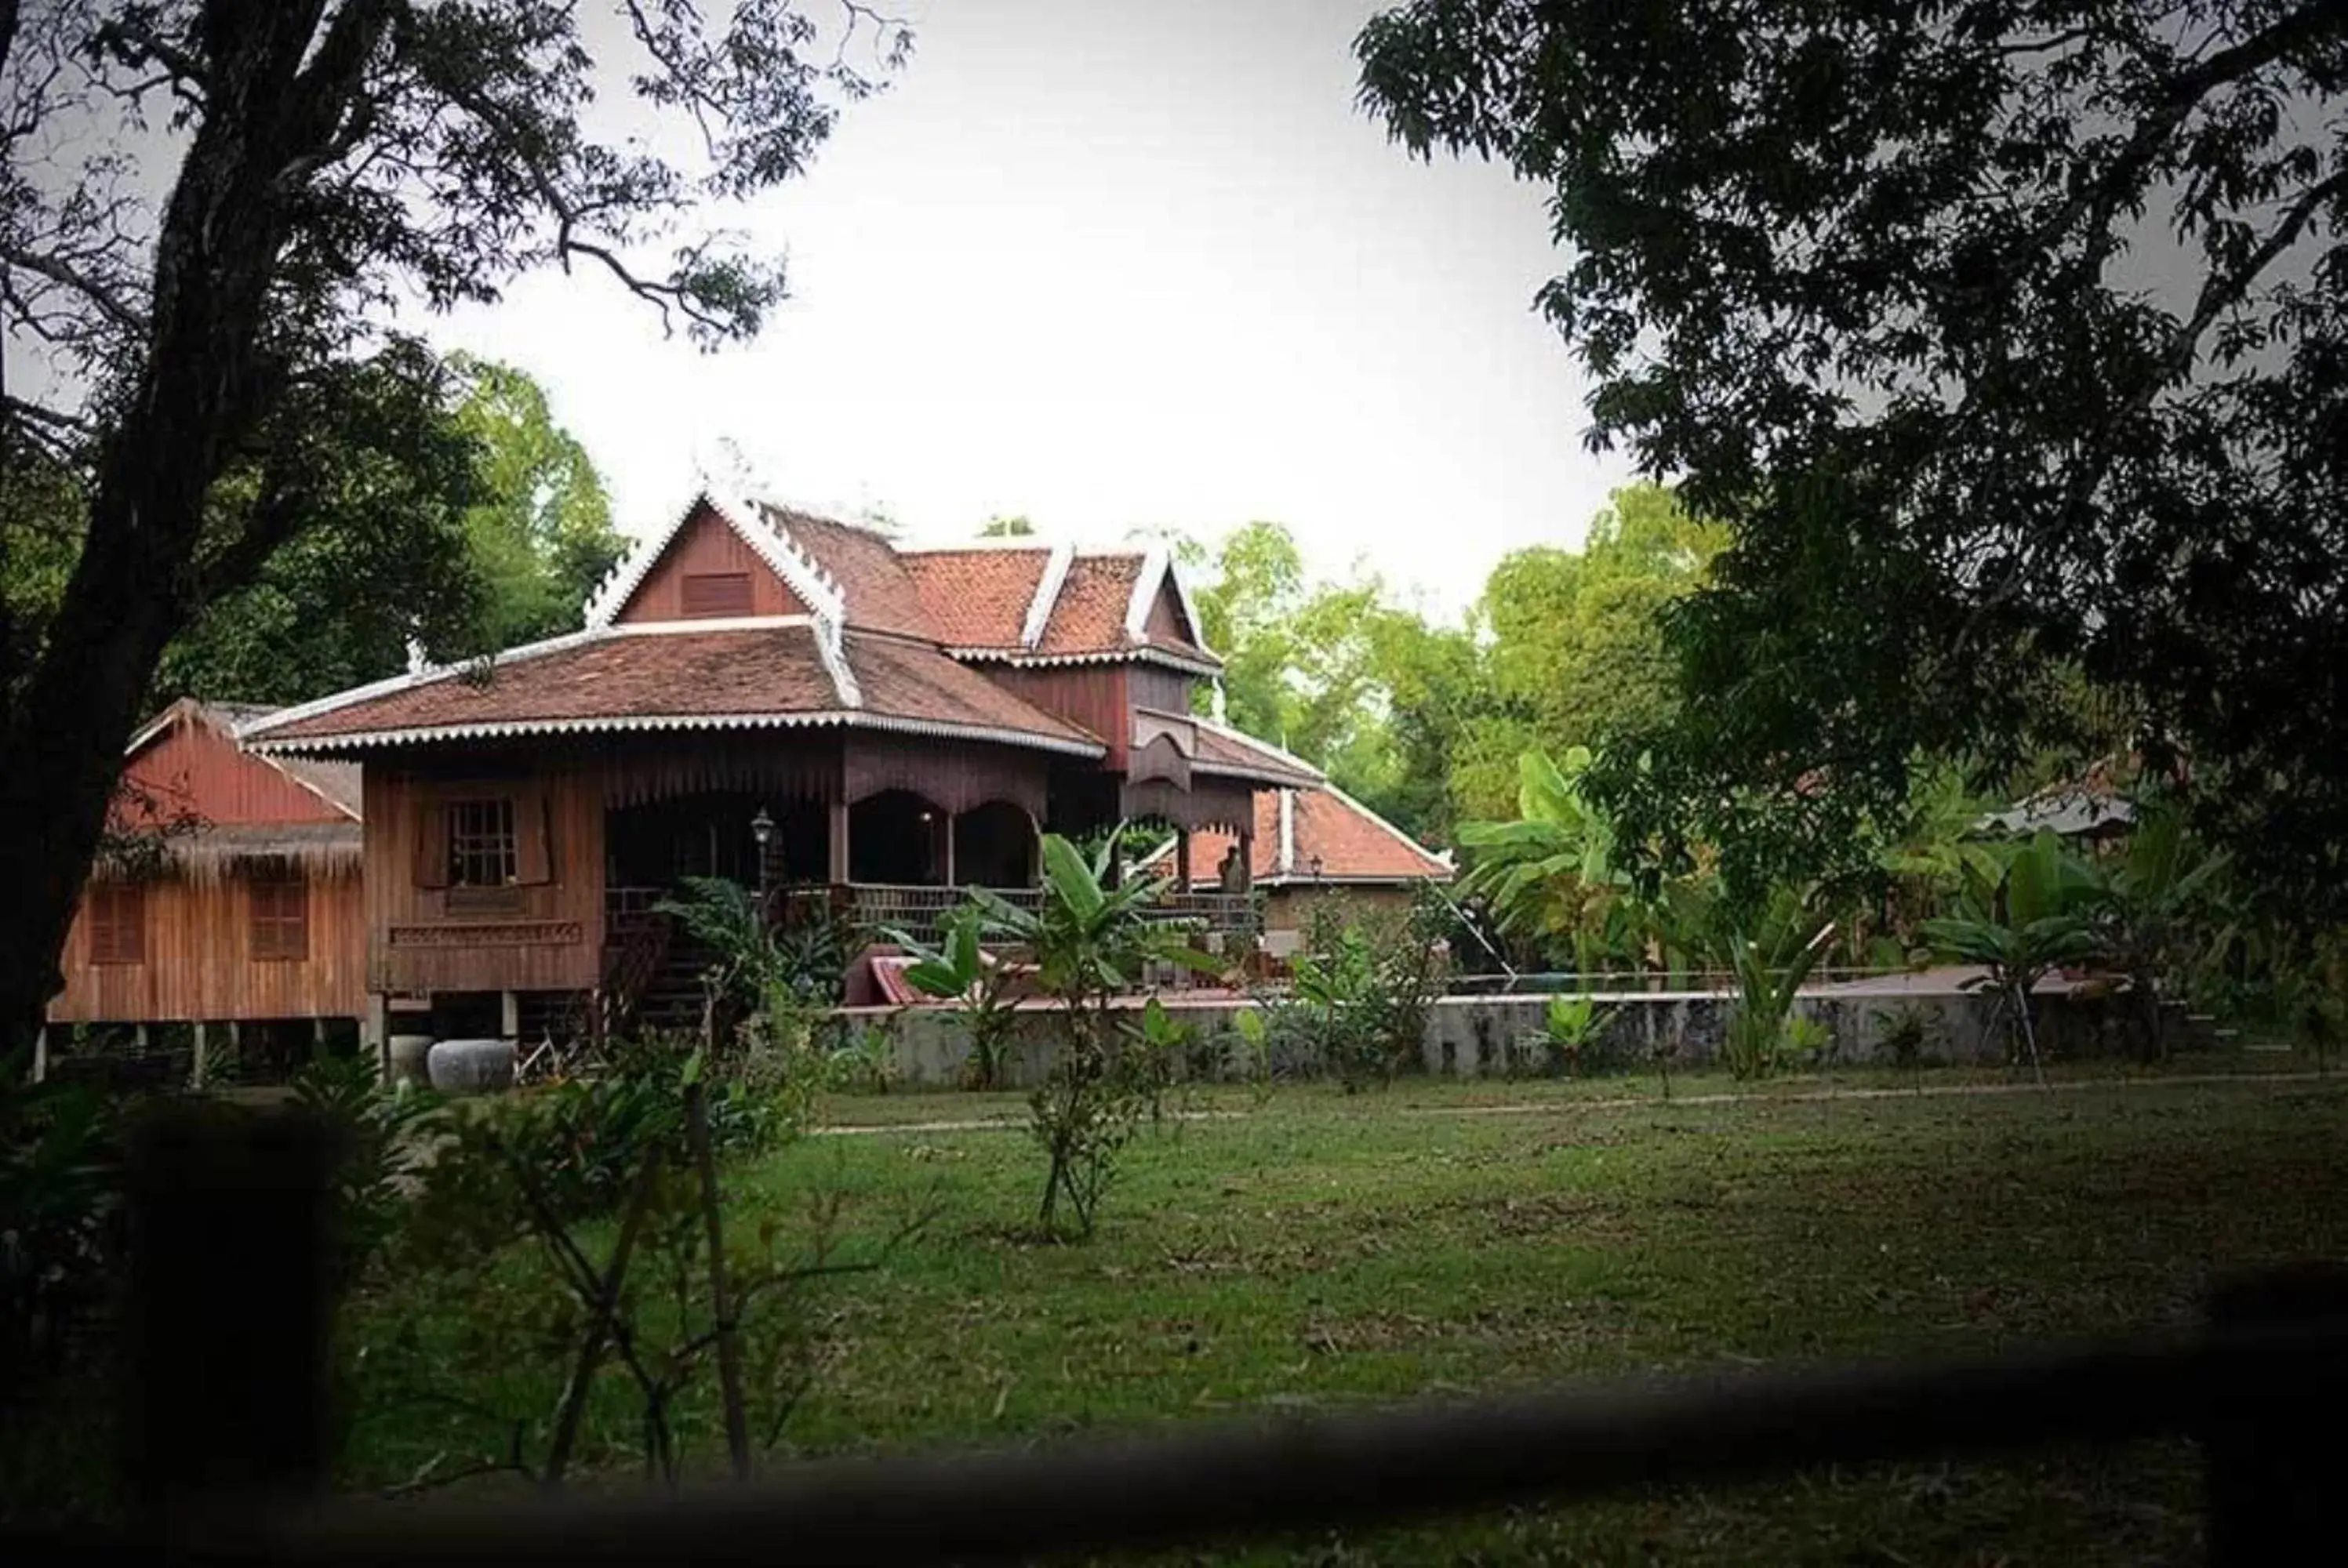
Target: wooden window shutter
{"points": [[431, 844], [117, 914], [280, 905], [533, 856], [716, 594]]}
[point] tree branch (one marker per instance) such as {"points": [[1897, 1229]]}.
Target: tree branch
{"points": [[90, 289], [662, 295], [2101, 200], [39, 413], [135, 45], [2221, 291]]}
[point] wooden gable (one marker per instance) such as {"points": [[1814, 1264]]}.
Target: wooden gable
{"points": [[1167, 623], [192, 770], [709, 572]]}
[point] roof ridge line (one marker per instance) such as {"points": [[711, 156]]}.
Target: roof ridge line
{"points": [[1048, 584]]}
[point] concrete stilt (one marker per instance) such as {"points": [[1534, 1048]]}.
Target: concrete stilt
{"points": [[196, 1065]]}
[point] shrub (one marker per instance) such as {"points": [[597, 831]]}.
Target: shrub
{"points": [[1363, 986], [384, 1133], [1901, 1033], [641, 1144], [865, 1064], [1571, 1026]]}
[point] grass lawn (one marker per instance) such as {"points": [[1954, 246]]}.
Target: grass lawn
{"points": [[1314, 1250]]}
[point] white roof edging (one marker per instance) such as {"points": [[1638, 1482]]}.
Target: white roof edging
{"points": [[1047, 595], [850, 719]]}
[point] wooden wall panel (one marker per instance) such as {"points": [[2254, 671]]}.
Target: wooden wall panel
{"points": [[195, 768], [707, 545], [547, 937], [199, 962], [1154, 686], [1093, 695], [1166, 618]]}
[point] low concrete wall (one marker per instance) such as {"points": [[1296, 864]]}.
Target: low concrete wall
{"points": [[1489, 1036]]}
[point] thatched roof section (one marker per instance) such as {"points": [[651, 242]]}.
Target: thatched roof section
{"points": [[211, 855]]}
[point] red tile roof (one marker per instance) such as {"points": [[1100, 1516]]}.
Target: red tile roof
{"points": [[1223, 750], [1354, 843], [913, 681], [638, 679], [978, 598], [1089, 613], [880, 592]]}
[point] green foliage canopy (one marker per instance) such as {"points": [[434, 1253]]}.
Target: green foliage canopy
{"points": [[507, 556], [2006, 336]]}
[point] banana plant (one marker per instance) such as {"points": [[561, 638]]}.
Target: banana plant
{"points": [[2147, 901], [959, 969], [1769, 962], [2035, 918], [1089, 940], [1550, 876]]}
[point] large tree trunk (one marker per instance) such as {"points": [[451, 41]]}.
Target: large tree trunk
{"points": [[203, 385]]}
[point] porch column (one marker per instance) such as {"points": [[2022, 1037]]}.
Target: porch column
{"points": [[196, 1063], [374, 1034], [40, 1055], [948, 819], [509, 1015], [1247, 858], [838, 869], [1181, 860]]}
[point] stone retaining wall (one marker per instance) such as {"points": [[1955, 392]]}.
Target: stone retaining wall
{"points": [[1486, 1036]]}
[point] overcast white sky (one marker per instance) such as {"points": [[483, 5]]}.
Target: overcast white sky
{"points": [[1117, 264]]}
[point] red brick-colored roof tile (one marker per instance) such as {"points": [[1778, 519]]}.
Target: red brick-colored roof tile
{"points": [[910, 680], [1227, 751], [978, 598], [768, 672], [880, 594], [1089, 615], [1353, 844]]}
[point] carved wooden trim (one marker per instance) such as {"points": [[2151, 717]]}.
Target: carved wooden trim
{"points": [[488, 934]]}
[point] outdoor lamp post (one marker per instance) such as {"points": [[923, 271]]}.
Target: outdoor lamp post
{"points": [[762, 829]]}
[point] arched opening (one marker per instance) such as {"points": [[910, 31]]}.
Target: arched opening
{"points": [[897, 838], [995, 847], [655, 844]]}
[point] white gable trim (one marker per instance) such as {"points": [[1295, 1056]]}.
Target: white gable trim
{"points": [[156, 727], [256, 728], [1047, 595], [1159, 568], [1262, 748], [1287, 861], [1148, 653], [829, 649], [363, 739], [1154, 566], [813, 586]]}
